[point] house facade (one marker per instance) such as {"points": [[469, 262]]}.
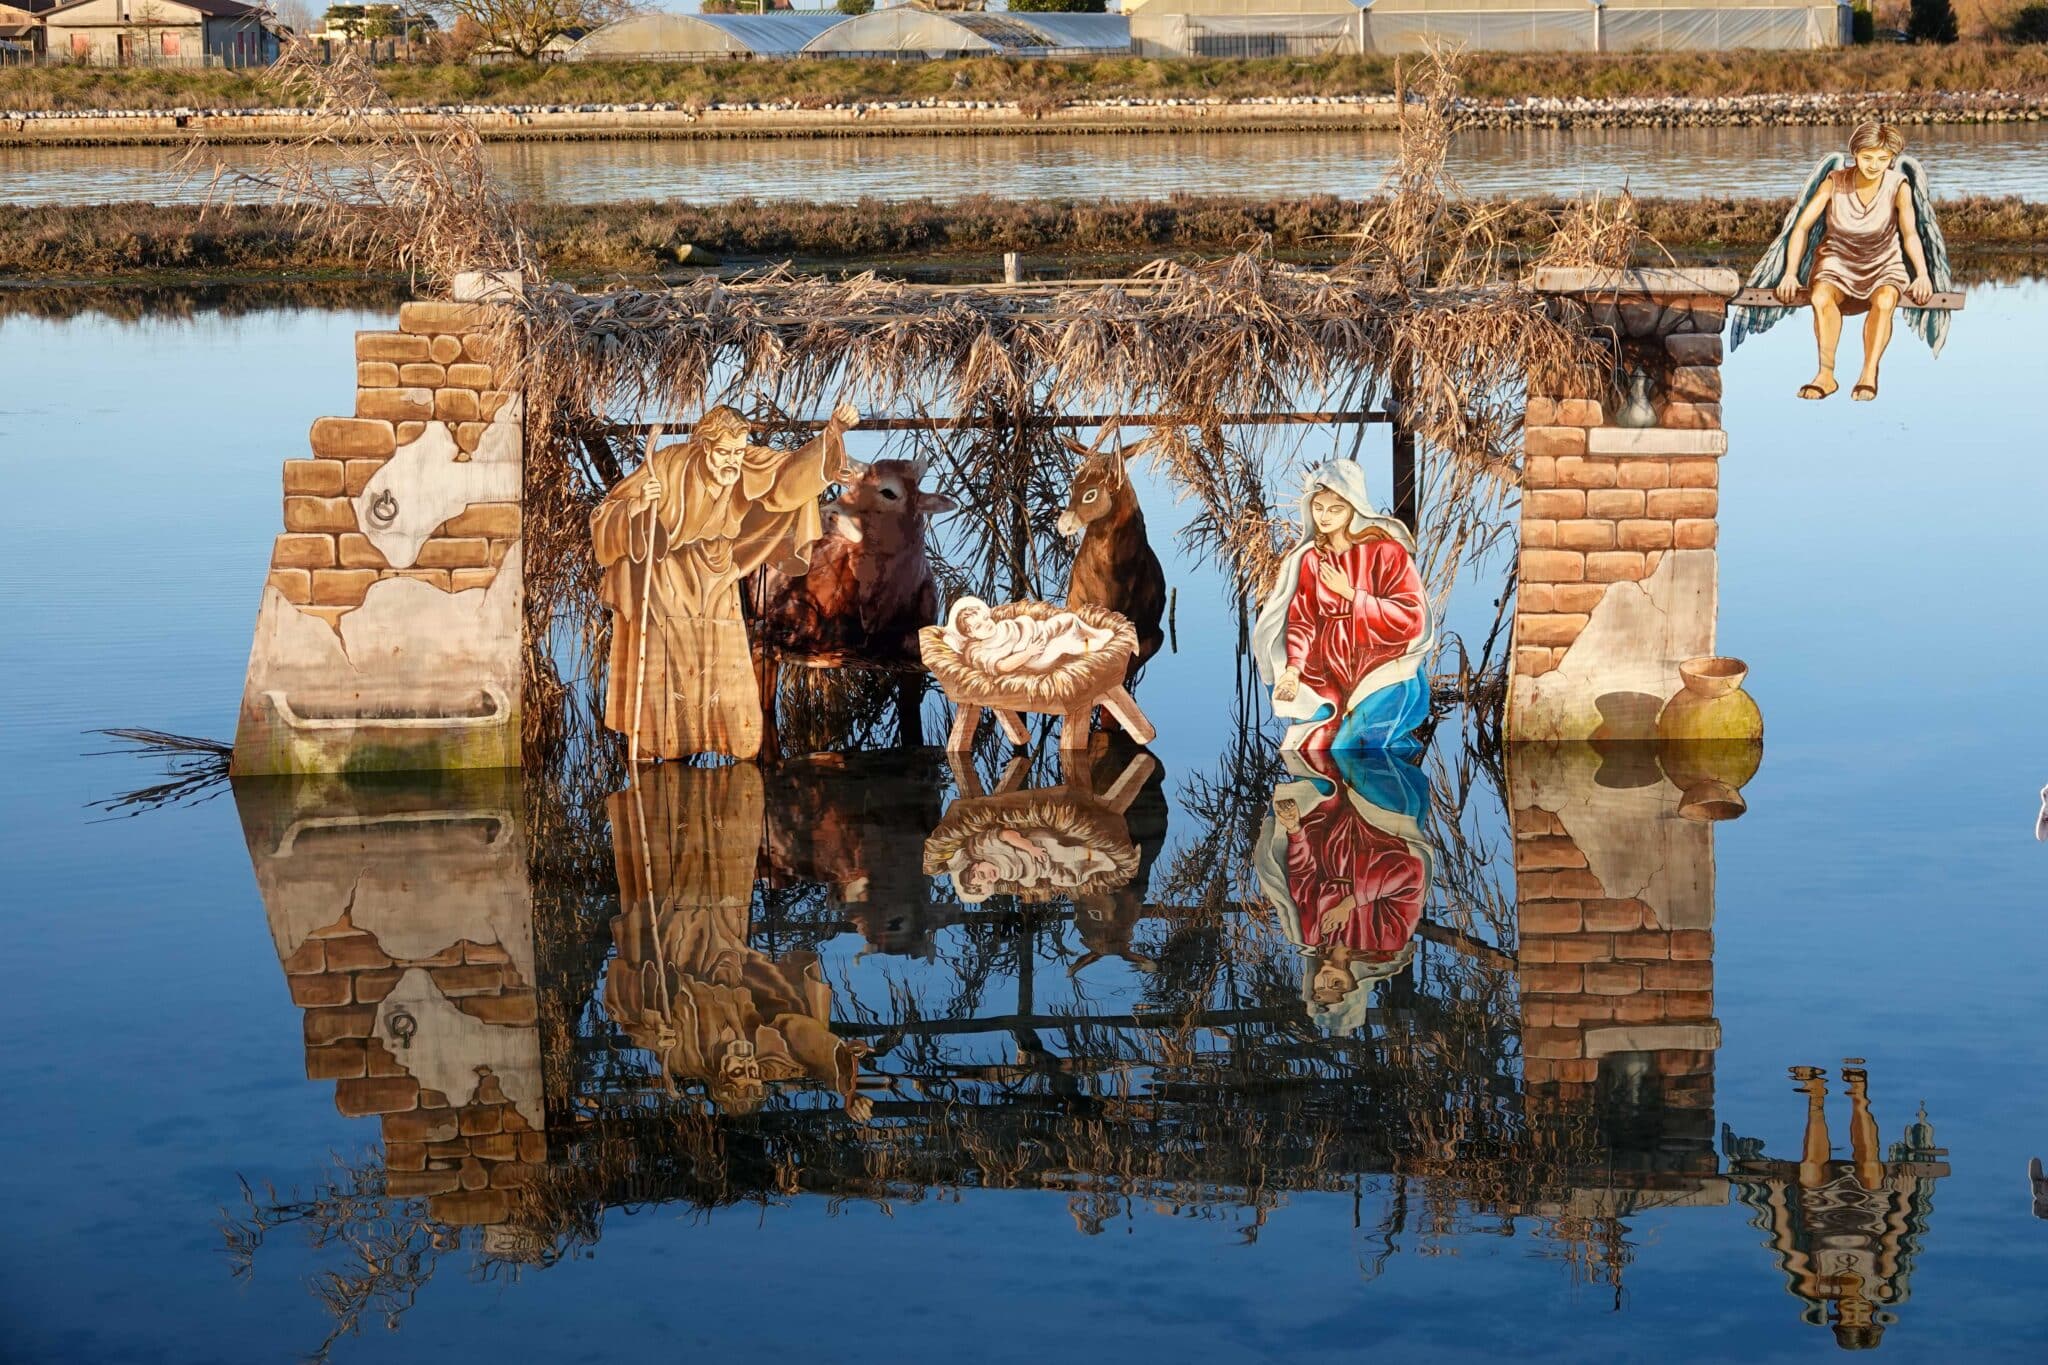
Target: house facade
{"points": [[160, 33], [21, 27]]}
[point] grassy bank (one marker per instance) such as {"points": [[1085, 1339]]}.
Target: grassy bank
{"points": [[1880, 68], [140, 241]]}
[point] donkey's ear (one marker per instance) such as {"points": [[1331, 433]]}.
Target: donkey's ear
{"points": [[932, 504]]}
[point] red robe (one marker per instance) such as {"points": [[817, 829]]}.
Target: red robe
{"points": [[1337, 853], [1337, 639]]}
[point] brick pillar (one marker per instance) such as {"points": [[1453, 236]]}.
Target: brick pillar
{"points": [[404, 925], [1615, 894], [1618, 575], [388, 638]]}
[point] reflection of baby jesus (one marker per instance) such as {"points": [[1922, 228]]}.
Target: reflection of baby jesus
{"points": [[1020, 644], [1017, 860]]}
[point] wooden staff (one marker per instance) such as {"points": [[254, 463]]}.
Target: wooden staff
{"points": [[646, 604]]}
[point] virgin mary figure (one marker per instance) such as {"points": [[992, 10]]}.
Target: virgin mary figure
{"points": [[1343, 635]]}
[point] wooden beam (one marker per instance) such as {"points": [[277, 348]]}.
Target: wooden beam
{"points": [[1944, 301], [1067, 423]]}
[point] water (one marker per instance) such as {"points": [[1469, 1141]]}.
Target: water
{"points": [[2002, 159], [1208, 1175]]}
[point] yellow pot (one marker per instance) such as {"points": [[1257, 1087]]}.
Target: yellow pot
{"points": [[1712, 705]]}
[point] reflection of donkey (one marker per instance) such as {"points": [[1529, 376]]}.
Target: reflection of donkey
{"points": [[1114, 566]]}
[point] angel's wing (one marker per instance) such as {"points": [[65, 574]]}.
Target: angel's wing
{"points": [[1929, 324], [1784, 253]]}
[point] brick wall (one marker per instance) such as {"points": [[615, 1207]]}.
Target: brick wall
{"points": [[1604, 505], [435, 367]]}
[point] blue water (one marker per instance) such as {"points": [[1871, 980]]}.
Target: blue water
{"points": [[1881, 899]]}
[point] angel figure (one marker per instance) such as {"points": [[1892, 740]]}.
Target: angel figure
{"points": [[1343, 634], [1860, 239]]}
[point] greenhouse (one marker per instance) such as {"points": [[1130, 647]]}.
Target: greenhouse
{"points": [[907, 32], [1311, 28], [698, 37]]}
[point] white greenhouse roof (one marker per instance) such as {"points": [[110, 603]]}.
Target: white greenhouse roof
{"points": [[676, 34], [905, 29]]}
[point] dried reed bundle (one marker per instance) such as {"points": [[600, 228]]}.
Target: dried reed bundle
{"points": [[409, 189]]}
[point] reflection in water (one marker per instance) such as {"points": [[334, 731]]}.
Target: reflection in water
{"points": [[685, 984], [823, 980], [1344, 864], [1845, 1232]]}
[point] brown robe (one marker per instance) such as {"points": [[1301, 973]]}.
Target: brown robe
{"points": [[699, 694], [686, 984]]}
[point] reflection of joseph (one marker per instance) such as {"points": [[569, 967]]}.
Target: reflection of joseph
{"points": [[693, 520], [687, 984]]}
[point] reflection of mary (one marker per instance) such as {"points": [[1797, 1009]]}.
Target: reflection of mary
{"points": [[1343, 635], [1345, 865]]}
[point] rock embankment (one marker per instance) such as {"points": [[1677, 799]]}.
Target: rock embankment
{"points": [[941, 117]]}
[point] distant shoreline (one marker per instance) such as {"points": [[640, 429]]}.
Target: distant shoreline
{"points": [[182, 244], [957, 118]]}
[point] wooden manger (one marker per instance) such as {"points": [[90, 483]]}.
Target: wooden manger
{"points": [[1071, 690]]}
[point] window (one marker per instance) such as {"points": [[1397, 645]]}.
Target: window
{"points": [[81, 46], [170, 44]]}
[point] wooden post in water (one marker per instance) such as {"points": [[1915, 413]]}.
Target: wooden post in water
{"points": [[1407, 494]]}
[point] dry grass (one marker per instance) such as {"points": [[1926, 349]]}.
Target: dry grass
{"points": [[1877, 67], [585, 242], [424, 202]]}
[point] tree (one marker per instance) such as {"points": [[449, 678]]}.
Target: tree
{"points": [[1933, 21], [853, 6], [1058, 6], [524, 27]]}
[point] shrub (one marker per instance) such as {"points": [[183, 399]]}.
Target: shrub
{"points": [[2030, 25], [1933, 21], [1863, 24], [1059, 6], [853, 6]]}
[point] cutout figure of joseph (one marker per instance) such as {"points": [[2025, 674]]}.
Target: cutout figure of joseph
{"points": [[675, 537]]}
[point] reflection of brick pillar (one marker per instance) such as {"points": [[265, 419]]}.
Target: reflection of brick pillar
{"points": [[1617, 570], [404, 924], [465, 1153], [393, 594], [1617, 972]]}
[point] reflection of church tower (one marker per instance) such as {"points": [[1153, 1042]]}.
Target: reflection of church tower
{"points": [[403, 920], [1845, 1232], [1615, 890]]}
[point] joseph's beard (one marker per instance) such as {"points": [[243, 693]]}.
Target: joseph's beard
{"points": [[726, 476]]}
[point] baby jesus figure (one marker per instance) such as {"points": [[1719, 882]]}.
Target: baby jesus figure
{"points": [[1021, 861], [1020, 644]]}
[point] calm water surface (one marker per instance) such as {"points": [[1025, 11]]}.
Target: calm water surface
{"points": [[1995, 159], [1102, 1126]]}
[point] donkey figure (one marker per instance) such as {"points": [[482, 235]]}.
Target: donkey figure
{"points": [[1114, 566]]}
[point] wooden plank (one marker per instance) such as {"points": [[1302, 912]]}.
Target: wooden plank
{"points": [[1134, 419], [1944, 301]]}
